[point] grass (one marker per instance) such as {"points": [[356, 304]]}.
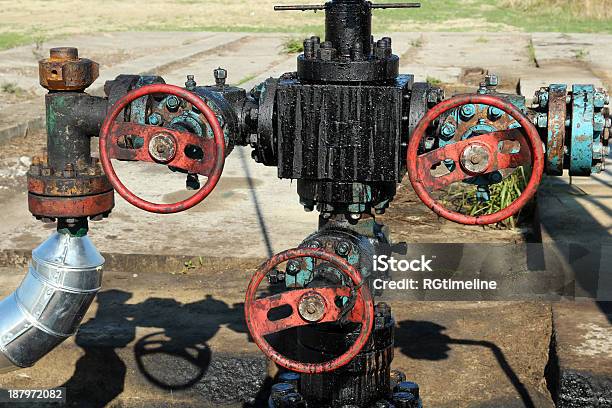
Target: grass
{"points": [[532, 53], [433, 81], [501, 196], [581, 54], [293, 46], [12, 39], [12, 88], [23, 22]]}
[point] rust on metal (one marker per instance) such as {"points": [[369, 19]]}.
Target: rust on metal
{"points": [[112, 133], [496, 159], [557, 113], [420, 175], [65, 71], [71, 207], [174, 142], [256, 311]]}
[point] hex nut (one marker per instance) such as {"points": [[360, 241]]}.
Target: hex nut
{"points": [[65, 71]]}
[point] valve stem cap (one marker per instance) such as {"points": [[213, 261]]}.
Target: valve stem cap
{"points": [[65, 71]]}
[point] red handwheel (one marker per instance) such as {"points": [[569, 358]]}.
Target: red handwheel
{"points": [[163, 146], [475, 156], [309, 306]]}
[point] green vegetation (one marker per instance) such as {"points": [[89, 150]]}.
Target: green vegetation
{"points": [[581, 54], [532, 53], [293, 46], [501, 196], [12, 89], [10, 40], [433, 81], [22, 22]]}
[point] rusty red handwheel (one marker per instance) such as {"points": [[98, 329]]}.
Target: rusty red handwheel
{"points": [[475, 156], [309, 306], [162, 146]]}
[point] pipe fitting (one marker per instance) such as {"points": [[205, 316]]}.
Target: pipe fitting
{"points": [[65, 71], [63, 279]]}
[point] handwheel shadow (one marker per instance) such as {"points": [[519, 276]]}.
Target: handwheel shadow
{"points": [[176, 357], [423, 340]]}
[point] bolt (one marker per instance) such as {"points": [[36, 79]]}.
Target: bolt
{"points": [[292, 400], [315, 244], [254, 114], [155, 119], [448, 131], [173, 103], [541, 120], [293, 267], [279, 390], [599, 122], [327, 51], [467, 111], [397, 376], [35, 170], [597, 168], [343, 248], [542, 97], [495, 113], [491, 80], [355, 216], [496, 177], [357, 51], [309, 50], [312, 307], [220, 77], [405, 400], [600, 99], [191, 83], [409, 387], [290, 377], [68, 171]]}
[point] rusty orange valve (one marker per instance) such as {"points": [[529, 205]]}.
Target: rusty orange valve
{"points": [[65, 71]]}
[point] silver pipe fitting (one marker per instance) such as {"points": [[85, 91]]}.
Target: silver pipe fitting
{"points": [[63, 279]]}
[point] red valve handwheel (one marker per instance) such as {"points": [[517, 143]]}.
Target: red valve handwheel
{"points": [[256, 310], [171, 142], [490, 156]]}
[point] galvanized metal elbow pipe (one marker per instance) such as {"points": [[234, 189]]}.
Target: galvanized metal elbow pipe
{"points": [[62, 281]]}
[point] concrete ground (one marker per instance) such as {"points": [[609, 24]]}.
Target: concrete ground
{"points": [[464, 354]]}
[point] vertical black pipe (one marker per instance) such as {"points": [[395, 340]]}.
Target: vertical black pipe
{"points": [[348, 22]]}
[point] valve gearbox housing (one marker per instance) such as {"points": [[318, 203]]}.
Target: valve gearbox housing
{"points": [[341, 132]]}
